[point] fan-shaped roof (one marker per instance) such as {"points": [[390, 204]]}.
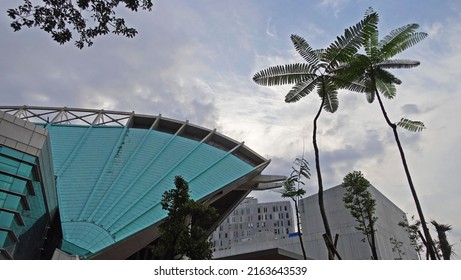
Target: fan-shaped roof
{"points": [[113, 167]]}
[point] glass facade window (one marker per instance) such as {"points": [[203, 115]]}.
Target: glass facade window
{"points": [[23, 215]]}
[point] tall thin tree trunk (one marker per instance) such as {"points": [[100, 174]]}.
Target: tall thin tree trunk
{"points": [[430, 243], [319, 178], [373, 246], [298, 223]]}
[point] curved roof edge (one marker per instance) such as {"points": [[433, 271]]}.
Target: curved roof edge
{"points": [[101, 117]]}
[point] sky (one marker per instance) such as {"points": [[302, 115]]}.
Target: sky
{"points": [[194, 60]]}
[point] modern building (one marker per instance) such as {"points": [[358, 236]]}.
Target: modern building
{"points": [[28, 198], [257, 230], [88, 183], [239, 237], [350, 242]]}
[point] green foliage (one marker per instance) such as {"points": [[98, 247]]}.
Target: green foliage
{"points": [[59, 17], [361, 205], [359, 200], [319, 68], [370, 69], [413, 126], [320, 71], [291, 186], [413, 233], [397, 247], [292, 189], [184, 231]]}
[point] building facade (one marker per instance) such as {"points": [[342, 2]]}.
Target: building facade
{"points": [[351, 245], [239, 237], [99, 177], [28, 198], [254, 225]]}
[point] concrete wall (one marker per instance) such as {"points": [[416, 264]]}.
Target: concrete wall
{"points": [[350, 245]]}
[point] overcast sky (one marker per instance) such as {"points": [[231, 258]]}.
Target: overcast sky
{"points": [[194, 60]]}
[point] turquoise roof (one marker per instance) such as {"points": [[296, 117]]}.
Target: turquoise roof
{"points": [[110, 179]]}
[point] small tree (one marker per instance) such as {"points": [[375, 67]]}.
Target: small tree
{"points": [[362, 207], [184, 231], [292, 189], [397, 247], [59, 17], [414, 234]]}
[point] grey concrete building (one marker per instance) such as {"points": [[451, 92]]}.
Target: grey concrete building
{"points": [[350, 244]]}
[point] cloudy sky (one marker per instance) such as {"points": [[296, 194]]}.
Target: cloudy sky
{"points": [[194, 60]]}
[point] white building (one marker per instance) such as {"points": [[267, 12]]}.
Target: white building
{"points": [[257, 227], [350, 244]]}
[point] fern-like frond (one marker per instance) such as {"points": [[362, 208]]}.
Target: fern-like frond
{"points": [[398, 64], [328, 91], [413, 39], [331, 102], [284, 74], [386, 76], [399, 40], [370, 35], [301, 89], [370, 95], [304, 49], [397, 36], [413, 126], [348, 44], [387, 89], [344, 82], [350, 75]]}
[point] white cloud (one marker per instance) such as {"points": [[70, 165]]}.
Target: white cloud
{"points": [[335, 5], [270, 28]]}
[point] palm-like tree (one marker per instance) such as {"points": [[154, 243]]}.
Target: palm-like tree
{"points": [[318, 72], [371, 71], [445, 247]]}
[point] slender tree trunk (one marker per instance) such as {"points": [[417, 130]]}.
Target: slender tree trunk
{"points": [[319, 178], [430, 243], [298, 223], [374, 250]]}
